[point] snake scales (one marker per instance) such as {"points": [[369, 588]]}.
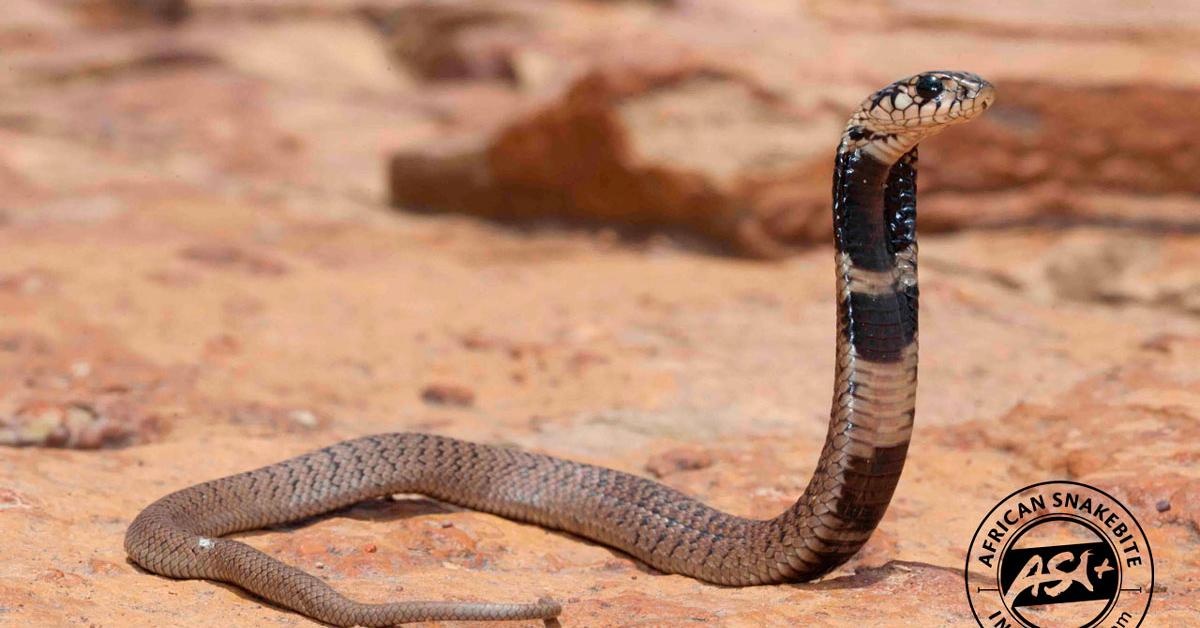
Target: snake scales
{"points": [[874, 214]]}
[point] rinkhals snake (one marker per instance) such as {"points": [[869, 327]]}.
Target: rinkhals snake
{"points": [[874, 217]]}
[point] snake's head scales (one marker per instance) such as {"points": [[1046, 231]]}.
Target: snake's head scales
{"points": [[925, 103]]}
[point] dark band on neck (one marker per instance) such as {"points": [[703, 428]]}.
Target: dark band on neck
{"points": [[881, 326], [859, 228], [900, 202], [873, 482]]}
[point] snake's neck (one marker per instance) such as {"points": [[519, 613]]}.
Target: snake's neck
{"points": [[875, 227], [874, 218]]}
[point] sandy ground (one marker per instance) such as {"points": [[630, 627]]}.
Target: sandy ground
{"points": [[200, 273]]}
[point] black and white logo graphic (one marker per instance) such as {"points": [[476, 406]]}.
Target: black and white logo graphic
{"points": [[1061, 555]]}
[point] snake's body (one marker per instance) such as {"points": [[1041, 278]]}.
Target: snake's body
{"points": [[874, 202]]}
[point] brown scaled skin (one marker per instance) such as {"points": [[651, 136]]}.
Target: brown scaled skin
{"points": [[874, 203]]}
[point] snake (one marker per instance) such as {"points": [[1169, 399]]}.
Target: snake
{"points": [[874, 399]]}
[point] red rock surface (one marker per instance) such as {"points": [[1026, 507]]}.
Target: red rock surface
{"points": [[201, 274]]}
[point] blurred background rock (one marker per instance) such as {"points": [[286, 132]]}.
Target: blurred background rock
{"points": [[698, 117]]}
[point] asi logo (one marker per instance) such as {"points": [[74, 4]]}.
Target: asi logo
{"points": [[1062, 555]]}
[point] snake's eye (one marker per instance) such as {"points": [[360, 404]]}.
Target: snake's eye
{"points": [[929, 87]]}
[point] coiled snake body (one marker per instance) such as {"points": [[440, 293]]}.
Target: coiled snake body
{"points": [[874, 213]]}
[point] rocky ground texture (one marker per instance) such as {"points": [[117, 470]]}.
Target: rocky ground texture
{"points": [[233, 231]]}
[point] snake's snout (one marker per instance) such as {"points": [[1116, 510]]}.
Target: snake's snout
{"points": [[980, 92]]}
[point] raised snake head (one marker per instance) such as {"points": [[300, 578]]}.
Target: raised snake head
{"points": [[896, 118], [926, 102]]}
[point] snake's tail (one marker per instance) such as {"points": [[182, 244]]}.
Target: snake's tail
{"points": [[284, 585]]}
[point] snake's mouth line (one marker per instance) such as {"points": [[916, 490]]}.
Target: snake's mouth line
{"points": [[959, 111]]}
